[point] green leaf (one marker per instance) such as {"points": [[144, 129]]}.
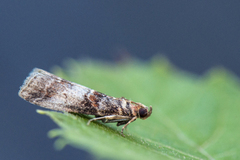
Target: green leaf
{"points": [[193, 117]]}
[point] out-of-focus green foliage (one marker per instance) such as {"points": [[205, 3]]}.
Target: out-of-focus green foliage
{"points": [[193, 117]]}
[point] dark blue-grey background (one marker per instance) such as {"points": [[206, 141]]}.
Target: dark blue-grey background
{"points": [[194, 35]]}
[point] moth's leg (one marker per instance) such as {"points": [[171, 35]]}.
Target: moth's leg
{"points": [[133, 119], [94, 119], [116, 120], [111, 117]]}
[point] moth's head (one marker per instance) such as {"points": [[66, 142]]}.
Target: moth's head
{"points": [[143, 112]]}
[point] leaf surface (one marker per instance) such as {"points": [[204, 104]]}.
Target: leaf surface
{"points": [[193, 117]]}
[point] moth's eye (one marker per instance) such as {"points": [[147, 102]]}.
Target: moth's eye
{"points": [[142, 112]]}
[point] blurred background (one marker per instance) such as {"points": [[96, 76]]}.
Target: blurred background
{"points": [[194, 35]]}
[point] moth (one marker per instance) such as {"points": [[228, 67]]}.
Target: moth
{"points": [[47, 90]]}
